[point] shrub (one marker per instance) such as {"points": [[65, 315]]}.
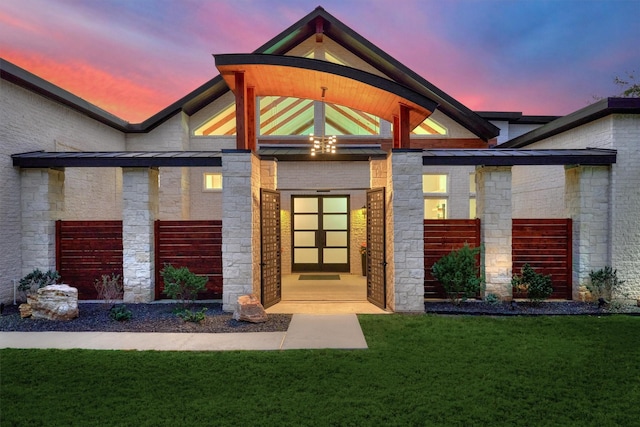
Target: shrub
{"points": [[191, 316], [492, 299], [181, 284], [120, 313], [109, 288], [537, 286], [458, 273], [37, 279], [604, 283]]}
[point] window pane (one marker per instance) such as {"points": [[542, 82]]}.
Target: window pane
{"points": [[336, 238], [434, 183], [305, 256], [472, 183], [305, 222], [304, 238], [305, 204], [334, 222], [212, 181], [435, 208], [472, 208], [334, 205], [334, 256]]}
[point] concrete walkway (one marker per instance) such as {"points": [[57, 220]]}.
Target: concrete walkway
{"points": [[305, 331]]}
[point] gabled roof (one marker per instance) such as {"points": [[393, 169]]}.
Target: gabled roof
{"points": [[588, 114], [317, 20]]}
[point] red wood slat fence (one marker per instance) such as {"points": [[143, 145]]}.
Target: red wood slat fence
{"points": [[85, 250], [441, 236], [196, 245], [545, 244]]}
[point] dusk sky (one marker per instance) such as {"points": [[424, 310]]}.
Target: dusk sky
{"points": [[135, 57]]}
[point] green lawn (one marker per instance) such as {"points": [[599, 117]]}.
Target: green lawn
{"points": [[419, 370]]}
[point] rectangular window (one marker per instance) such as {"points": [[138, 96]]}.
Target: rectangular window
{"points": [[435, 189], [434, 183], [212, 181], [472, 195]]}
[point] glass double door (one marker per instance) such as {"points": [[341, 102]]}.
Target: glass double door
{"points": [[320, 233]]}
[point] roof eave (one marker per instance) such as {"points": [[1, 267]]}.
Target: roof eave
{"points": [[23, 78], [602, 108]]}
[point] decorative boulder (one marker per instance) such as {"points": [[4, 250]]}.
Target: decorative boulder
{"points": [[249, 309], [54, 302], [25, 310]]}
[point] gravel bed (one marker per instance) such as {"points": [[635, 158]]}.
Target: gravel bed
{"points": [[525, 308], [158, 317]]}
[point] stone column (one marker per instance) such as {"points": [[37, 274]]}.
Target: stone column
{"points": [[140, 210], [495, 212], [587, 203], [407, 213], [42, 203], [238, 264]]}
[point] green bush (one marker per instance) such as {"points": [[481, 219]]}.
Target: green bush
{"points": [[536, 286], [181, 284], [120, 313], [458, 273], [604, 283], [492, 299], [192, 316], [37, 279]]}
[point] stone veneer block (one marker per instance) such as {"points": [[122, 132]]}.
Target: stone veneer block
{"points": [[140, 210], [495, 213], [408, 224]]}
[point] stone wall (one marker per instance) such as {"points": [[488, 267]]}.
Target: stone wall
{"points": [[140, 203], [494, 210], [237, 229], [31, 122], [408, 231]]}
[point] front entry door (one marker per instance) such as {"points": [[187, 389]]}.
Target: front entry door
{"points": [[376, 248], [270, 248], [320, 233]]}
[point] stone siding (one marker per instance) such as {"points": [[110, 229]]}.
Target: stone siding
{"points": [[407, 254], [140, 202], [237, 227], [31, 122], [494, 210]]}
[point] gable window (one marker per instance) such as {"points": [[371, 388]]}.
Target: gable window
{"points": [[435, 190], [212, 181]]}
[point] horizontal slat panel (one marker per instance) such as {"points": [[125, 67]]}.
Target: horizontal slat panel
{"points": [[86, 251], [544, 244], [196, 245]]}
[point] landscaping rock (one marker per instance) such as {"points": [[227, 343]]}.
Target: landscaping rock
{"points": [[249, 309], [25, 310], [54, 302]]}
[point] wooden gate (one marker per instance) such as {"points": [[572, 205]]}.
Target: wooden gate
{"points": [[85, 250], [546, 245], [270, 248], [376, 248], [441, 236], [196, 245]]}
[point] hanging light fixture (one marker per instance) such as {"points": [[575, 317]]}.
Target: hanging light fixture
{"points": [[323, 144]]}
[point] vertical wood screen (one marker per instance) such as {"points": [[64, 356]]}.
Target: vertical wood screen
{"points": [[441, 236], [85, 250], [196, 245], [545, 244]]}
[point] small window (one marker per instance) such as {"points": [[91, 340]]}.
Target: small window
{"points": [[212, 181], [435, 208], [472, 195], [434, 183]]}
